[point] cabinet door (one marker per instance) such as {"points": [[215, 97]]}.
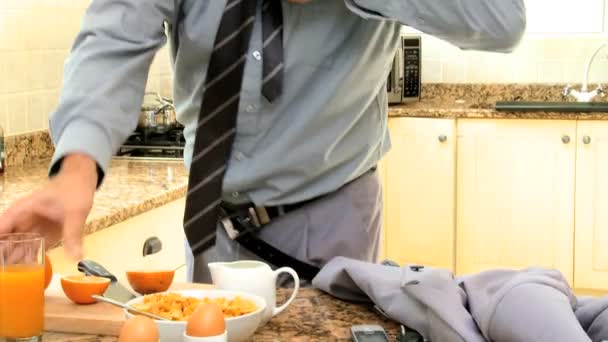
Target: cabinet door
{"points": [[591, 248], [420, 192], [119, 247], [515, 194]]}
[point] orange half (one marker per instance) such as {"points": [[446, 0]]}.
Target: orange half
{"points": [[48, 271], [146, 282], [81, 288]]}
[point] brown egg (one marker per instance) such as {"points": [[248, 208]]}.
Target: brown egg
{"points": [[140, 329], [207, 320]]}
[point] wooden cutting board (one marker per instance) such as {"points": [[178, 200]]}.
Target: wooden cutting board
{"points": [[62, 315]]}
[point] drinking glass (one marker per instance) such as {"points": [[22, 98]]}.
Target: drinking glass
{"points": [[21, 287]]}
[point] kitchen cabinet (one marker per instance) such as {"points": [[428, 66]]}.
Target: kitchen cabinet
{"points": [[419, 192], [515, 194], [591, 247], [119, 247]]}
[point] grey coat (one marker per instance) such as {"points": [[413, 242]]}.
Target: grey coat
{"points": [[499, 305]]}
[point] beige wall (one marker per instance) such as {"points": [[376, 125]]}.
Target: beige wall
{"points": [[35, 38], [538, 59]]}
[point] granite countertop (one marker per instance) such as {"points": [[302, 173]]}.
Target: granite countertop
{"points": [[130, 188], [312, 316], [477, 101]]}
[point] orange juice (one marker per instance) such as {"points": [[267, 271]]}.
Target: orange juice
{"points": [[21, 300]]}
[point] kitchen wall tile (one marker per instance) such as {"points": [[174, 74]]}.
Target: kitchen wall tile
{"points": [[524, 71], [551, 71], [51, 101], [3, 113], [16, 68], [431, 70], [166, 85], [153, 84], [155, 66], [36, 114], [17, 109], [455, 71], [3, 73], [35, 39], [574, 70], [164, 61], [11, 30], [54, 69], [35, 70], [20, 4]]}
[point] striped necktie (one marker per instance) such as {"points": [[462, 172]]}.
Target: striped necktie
{"points": [[217, 119]]}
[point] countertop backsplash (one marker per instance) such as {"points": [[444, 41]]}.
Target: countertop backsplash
{"points": [[28, 147], [438, 100]]}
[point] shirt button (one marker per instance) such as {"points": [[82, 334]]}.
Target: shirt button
{"points": [[236, 194], [239, 156], [257, 55], [250, 108]]}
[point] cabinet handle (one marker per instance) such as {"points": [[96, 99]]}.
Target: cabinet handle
{"points": [[587, 140], [443, 138], [566, 139]]}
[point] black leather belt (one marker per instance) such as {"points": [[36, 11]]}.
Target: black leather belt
{"points": [[243, 226], [243, 222]]}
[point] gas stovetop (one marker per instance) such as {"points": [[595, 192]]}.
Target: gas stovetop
{"points": [[154, 146]]}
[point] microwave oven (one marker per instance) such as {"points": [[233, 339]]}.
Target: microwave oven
{"points": [[403, 84]]}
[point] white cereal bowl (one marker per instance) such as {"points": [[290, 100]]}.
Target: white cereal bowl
{"points": [[237, 328]]}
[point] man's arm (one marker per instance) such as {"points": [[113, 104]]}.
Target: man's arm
{"points": [[490, 25], [105, 77], [103, 88]]}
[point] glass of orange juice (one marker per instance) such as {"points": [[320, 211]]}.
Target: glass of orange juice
{"points": [[21, 287]]}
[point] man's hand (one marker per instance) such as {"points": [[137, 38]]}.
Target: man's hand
{"points": [[60, 208]]}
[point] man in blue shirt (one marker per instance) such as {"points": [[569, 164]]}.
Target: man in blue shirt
{"points": [[285, 111]]}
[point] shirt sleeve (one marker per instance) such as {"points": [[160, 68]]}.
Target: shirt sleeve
{"points": [[490, 25], [105, 77]]}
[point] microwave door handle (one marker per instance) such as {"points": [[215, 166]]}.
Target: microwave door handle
{"points": [[400, 71]]}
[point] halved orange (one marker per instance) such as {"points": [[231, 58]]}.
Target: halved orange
{"points": [[48, 271], [146, 282], [80, 288]]}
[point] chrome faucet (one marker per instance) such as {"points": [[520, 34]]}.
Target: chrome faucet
{"points": [[585, 95]]}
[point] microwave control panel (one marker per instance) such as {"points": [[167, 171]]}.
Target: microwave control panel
{"points": [[411, 67]]}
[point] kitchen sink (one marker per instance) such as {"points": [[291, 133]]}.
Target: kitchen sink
{"points": [[567, 107]]}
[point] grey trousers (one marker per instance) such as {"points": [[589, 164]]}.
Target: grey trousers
{"points": [[345, 223]]}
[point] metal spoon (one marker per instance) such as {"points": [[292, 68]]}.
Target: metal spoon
{"points": [[127, 307]]}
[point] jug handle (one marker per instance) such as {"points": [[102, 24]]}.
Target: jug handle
{"points": [[296, 288]]}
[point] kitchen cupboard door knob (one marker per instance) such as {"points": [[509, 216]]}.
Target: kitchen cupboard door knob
{"points": [[566, 139], [587, 140], [443, 138]]}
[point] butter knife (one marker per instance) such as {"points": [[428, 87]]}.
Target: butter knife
{"points": [[116, 290]]}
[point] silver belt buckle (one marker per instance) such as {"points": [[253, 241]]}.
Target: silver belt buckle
{"points": [[229, 228], [257, 217], [262, 215]]}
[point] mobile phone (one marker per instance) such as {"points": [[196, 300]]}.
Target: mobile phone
{"points": [[368, 333]]}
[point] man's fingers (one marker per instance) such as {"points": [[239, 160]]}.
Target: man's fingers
{"points": [[7, 222], [14, 216], [72, 234]]}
